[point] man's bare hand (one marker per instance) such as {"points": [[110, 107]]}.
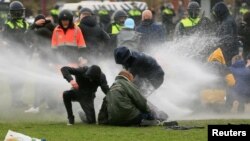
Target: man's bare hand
{"points": [[40, 22], [74, 84]]}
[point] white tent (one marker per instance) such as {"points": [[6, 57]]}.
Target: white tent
{"points": [[4, 1], [96, 5]]}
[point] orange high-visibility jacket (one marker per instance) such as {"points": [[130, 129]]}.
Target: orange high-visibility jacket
{"points": [[72, 37]]}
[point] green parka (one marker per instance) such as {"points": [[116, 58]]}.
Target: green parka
{"points": [[122, 103]]}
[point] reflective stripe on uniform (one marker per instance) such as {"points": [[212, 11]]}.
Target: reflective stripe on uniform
{"points": [[134, 12], [103, 12], [54, 12], [67, 44], [188, 22], [10, 24], [116, 29], [75, 36], [19, 24], [168, 11], [57, 39], [243, 11]]}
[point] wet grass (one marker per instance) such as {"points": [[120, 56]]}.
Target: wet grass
{"points": [[59, 131]]}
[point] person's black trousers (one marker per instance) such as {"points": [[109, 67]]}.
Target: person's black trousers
{"points": [[86, 101]]}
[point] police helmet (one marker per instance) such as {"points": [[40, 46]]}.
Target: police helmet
{"points": [[193, 9], [79, 7], [16, 10], [133, 4], [86, 10], [56, 6], [170, 6], [120, 14]]}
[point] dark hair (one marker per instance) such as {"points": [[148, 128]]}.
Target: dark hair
{"points": [[84, 9]]}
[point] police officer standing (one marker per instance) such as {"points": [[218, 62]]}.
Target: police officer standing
{"points": [[192, 23], [55, 13], [135, 13], [104, 17], [244, 8], [14, 32], [114, 28], [167, 15], [119, 17], [16, 25]]}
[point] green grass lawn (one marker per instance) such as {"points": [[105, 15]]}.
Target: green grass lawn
{"points": [[59, 131], [52, 126]]}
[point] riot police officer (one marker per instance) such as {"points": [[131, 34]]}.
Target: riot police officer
{"points": [[114, 28], [16, 25], [188, 24], [135, 13], [14, 33]]}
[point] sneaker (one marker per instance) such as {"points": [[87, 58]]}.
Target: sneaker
{"points": [[82, 116], [69, 124], [32, 110], [71, 121], [145, 122]]}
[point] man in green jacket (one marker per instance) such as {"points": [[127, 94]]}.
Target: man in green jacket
{"points": [[123, 104]]}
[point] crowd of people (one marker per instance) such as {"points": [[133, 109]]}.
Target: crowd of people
{"points": [[70, 43]]}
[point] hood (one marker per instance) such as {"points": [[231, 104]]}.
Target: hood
{"points": [[94, 72], [220, 11], [89, 21], [122, 54]]}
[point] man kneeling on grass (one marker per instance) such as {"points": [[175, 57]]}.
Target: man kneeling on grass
{"points": [[123, 104], [87, 80]]}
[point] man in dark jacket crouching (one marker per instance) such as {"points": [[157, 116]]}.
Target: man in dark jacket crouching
{"points": [[88, 79]]}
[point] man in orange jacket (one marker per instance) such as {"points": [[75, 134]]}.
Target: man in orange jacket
{"points": [[67, 40]]}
